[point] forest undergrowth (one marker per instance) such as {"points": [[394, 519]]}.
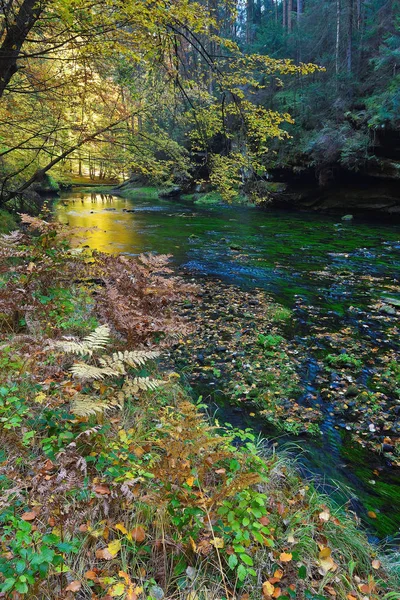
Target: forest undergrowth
{"points": [[114, 482]]}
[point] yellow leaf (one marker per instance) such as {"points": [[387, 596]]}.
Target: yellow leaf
{"points": [[114, 547], [267, 588], [121, 527], [217, 542], [372, 514], [125, 576], [40, 398], [192, 544], [285, 557], [117, 590], [325, 552], [190, 481], [327, 564]]}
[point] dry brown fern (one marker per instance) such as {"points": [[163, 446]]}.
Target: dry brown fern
{"points": [[138, 295]]}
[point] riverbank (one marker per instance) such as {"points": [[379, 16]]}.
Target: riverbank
{"points": [[146, 498]]}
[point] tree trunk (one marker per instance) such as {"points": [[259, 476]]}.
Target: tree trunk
{"points": [[338, 9], [249, 21], [289, 15], [284, 14], [350, 36], [16, 35], [299, 10]]}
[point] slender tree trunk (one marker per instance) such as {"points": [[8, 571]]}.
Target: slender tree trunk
{"points": [[249, 21], [284, 14], [299, 10], [350, 36], [16, 35], [289, 15], [337, 48], [358, 14]]}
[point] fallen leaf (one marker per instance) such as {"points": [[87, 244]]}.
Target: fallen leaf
{"points": [[190, 481], [277, 592], [326, 565], [104, 554], [102, 489], [74, 586], [371, 514], [325, 552], [117, 590], [90, 575], [114, 547], [138, 534], [324, 515], [124, 576], [285, 557], [267, 588], [330, 590], [29, 516], [376, 564], [217, 542], [121, 527]]}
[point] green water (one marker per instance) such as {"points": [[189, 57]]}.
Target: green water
{"points": [[331, 273]]}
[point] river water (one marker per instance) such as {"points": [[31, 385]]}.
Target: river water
{"points": [[337, 276]]}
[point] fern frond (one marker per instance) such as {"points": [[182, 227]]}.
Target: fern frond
{"points": [[140, 384], [98, 339], [84, 406], [11, 239], [35, 222], [85, 371], [72, 347], [135, 358]]}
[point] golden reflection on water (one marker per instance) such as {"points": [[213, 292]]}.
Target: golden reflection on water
{"points": [[113, 233]]}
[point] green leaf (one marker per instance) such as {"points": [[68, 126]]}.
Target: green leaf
{"points": [[302, 572], [20, 566], [232, 561], [21, 587], [7, 585], [246, 559], [241, 572]]}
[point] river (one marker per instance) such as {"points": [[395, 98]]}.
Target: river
{"points": [[339, 278]]}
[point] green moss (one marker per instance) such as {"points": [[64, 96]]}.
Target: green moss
{"points": [[209, 199], [343, 360], [7, 222], [150, 193]]}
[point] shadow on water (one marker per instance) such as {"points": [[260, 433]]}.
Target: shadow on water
{"points": [[326, 271]]}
